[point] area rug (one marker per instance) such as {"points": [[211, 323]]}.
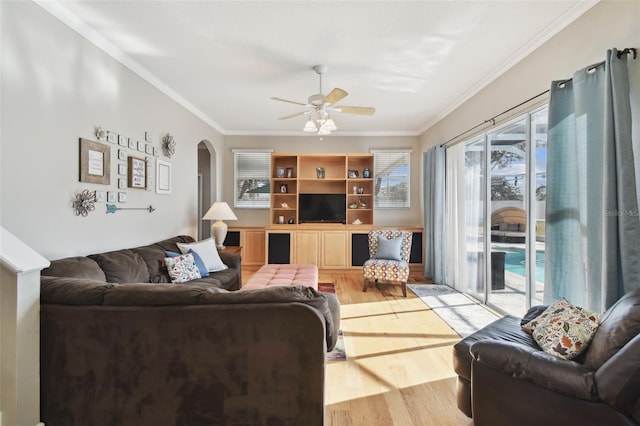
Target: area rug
{"points": [[327, 287], [460, 312], [338, 353]]}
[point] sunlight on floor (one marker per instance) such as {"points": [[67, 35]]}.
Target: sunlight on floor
{"points": [[401, 357]]}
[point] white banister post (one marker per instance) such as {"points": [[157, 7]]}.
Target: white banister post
{"points": [[20, 268]]}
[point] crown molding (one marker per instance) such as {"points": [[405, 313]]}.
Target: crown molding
{"points": [[299, 133], [560, 23], [56, 9]]}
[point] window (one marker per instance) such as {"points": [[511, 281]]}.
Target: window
{"points": [[391, 178], [251, 179]]}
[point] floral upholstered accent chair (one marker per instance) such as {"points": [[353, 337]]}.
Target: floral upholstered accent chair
{"points": [[389, 252]]}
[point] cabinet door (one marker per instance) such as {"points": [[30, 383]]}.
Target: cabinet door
{"points": [[279, 250], [359, 248], [334, 249], [253, 247], [307, 244]]}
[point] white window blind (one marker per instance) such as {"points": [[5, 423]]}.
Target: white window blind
{"points": [[391, 178], [252, 170]]}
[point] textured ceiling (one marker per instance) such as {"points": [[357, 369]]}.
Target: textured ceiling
{"points": [[413, 61]]}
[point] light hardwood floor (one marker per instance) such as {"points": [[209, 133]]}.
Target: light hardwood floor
{"points": [[399, 359]]}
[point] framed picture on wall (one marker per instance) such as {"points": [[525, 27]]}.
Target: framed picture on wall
{"points": [[137, 177], [101, 196], [95, 162], [163, 177]]}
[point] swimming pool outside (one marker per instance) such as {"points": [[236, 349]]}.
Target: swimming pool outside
{"points": [[514, 261]]}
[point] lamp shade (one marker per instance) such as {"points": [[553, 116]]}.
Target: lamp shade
{"points": [[220, 211]]}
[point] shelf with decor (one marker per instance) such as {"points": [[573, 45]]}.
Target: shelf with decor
{"points": [[284, 189], [322, 166], [360, 166], [311, 181]]}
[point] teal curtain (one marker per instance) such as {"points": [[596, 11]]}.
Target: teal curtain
{"points": [[434, 208], [592, 218]]}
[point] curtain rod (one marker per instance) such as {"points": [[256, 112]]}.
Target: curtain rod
{"points": [[492, 120]]}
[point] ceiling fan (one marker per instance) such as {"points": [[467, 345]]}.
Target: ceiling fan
{"points": [[321, 107]]}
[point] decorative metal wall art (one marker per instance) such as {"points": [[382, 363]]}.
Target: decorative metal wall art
{"points": [[101, 133], [168, 146], [112, 208], [84, 203]]}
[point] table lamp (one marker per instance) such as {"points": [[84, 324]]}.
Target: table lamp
{"points": [[219, 211]]}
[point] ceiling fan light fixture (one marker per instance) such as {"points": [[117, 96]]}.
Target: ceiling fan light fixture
{"points": [[326, 126], [320, 105], [310, 126], [323, 131], [330, 125]]}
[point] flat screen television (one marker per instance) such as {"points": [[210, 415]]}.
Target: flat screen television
{"points": [[322, 208]]}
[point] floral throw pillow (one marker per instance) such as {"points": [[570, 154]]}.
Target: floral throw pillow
{"points": [[564, 330], [182, 268], [204, 272]]}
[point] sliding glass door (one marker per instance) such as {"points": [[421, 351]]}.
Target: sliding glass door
{"points": [[474, 214], [538, 197], [508, 217], [496, 193]]}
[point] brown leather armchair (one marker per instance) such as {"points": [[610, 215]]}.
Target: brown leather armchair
{"points": [[504, 378]]}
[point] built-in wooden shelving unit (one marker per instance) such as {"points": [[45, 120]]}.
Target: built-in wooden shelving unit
{"points": [[295, 174]]}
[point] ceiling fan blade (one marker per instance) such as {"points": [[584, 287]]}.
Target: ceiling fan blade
{"points": [[336, 95], [297, 114], [355, 110], [286, 100]]}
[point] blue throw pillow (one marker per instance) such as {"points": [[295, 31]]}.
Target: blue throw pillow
{"points": [[204, 272], [388, 249]]}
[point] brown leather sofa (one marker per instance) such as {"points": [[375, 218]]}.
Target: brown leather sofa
{"points": [[504, 378], [116, 351]]}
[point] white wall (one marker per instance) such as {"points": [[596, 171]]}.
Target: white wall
{"points": [[608, 24], [331, 144], [56, 88]]}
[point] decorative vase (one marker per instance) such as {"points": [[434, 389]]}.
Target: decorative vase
{"points": [[366, 173], [320, 172]]}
